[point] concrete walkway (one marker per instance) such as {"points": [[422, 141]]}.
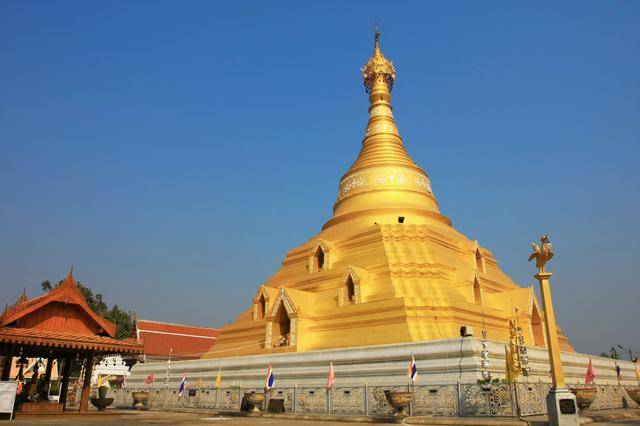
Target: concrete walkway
{"points": [[202, 417], [593, 416]]}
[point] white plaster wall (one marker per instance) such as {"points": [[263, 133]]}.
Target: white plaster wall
{"points": [[438, 361]]}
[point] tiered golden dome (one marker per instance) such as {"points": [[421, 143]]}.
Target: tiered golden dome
{"points": [[383, 182]]}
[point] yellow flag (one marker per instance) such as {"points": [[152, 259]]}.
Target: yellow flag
{"points": [[219, 378], [99, 380], [512, 354], [638, 370]]}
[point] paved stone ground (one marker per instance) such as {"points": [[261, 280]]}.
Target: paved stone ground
{"points": [[159, 418], [122, 418]]}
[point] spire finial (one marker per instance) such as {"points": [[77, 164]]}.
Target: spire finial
{"points": [[378, 69], [71, 271]]}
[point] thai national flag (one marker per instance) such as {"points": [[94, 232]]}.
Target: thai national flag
{"points": [[270, 381], [183, 385], [412, 370]]}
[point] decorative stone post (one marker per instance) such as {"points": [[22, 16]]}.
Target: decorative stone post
{"points": [[561, 403]]}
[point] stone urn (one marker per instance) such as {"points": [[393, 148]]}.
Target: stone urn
{"points": [[140, 399], [255, 400], [399, 401], [102, 402], [634, 393], [584, 397]]}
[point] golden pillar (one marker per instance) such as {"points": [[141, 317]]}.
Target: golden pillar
{"points": [[561, 403], [557, 374]]}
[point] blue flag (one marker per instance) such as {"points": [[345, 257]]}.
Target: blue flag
{"points": [[183, 385]]}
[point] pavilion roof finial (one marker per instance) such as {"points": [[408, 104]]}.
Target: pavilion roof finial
{"points": [[23, 297], [71, 271]]}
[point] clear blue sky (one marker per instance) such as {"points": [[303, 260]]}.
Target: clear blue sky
{"points": [[175, 151]]}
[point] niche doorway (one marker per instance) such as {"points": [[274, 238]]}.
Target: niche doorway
{"points": [[281, 334]]}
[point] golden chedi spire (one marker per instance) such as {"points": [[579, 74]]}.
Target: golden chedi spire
{"points": [[369, 278], [384, 182]]}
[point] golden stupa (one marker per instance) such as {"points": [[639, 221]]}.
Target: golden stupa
{"points": [[387, 268]]}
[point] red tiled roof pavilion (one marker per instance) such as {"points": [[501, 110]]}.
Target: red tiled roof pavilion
{"points": [[59, 324], [181, 341]]}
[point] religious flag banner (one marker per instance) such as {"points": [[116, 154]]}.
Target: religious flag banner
{"points": [[331, 378], [412, 371], [591, 374], [270, 381], [511, 360], [149, 380], [183, 385], [219, 378]]}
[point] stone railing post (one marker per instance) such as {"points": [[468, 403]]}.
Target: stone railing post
{"points": [[366, 399], [515, 404]]}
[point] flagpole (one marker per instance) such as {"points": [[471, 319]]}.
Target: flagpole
{"points": [[166, 380]]}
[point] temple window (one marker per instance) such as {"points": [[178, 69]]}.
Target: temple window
{"points": [[319, 258], [349, 289], [281, 328], [479, 261]]}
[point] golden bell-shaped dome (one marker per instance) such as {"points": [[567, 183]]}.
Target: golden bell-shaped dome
{"points": [[384, 182]]}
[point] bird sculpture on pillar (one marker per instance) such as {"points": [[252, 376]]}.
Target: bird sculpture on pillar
{"points": [[542, 255]]}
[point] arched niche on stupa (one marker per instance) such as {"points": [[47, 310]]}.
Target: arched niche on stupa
{"points": [[260, 304], [282, 321], [350, 287], [320, 257], [537, 325], [477, 291], [478, 259]]}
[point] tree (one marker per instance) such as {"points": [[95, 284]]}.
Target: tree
{"points": [[46, 285], [123, 319]]}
